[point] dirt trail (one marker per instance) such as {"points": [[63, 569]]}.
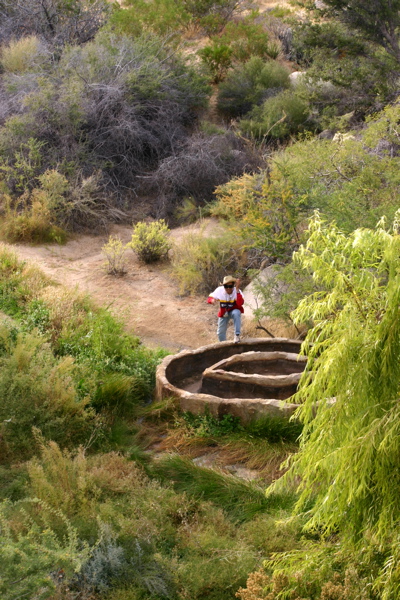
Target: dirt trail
{"points": [[146, 298]]}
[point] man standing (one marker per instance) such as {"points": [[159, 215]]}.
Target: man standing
{"points": [[231, 302]]}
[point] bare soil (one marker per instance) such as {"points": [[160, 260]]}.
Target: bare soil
{"points": [[147, 298]]}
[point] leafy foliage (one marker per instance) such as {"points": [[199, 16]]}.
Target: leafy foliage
{"points": [[212, 15], [37, 389], [279, 292], [277, 118], [207, 425], [345, 72], [249, 84], [264, 211], [237, 43], [33, 217], [200, 262], [150, 240], [352, 180], [32, 555], [313, 573], [163, 17], [379, 21], [247, 37], [350, 388], [112, 370], [218, 58]]}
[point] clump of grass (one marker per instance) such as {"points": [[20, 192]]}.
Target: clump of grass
{"points": [[22, 55], [239, 499], [275, 429]]}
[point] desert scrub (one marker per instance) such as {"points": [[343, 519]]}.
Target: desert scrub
{"points": [[249, 84], [38, 389], [150, 240], [114, 251], [200, 263], [31, 552], [26, 54], [33, 216], [277, 118], [148, 531], [115, 370]]}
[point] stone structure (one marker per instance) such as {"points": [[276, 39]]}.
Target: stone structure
{"points": [[248, 380]]}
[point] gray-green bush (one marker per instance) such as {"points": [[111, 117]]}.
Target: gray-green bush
{"points": [[249, 84], [277, 118]]}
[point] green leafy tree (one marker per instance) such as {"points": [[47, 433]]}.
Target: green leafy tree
{"points": [[348, 458], [263, 211]]}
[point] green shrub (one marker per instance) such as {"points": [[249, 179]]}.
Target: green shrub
{"points": [[107, 358], [123, 370], [21, 164], [32, 555], [218, 59], [208, 426], [150, 240], [283, 115], [246, 38], [211, 15], [163, 17], [264, 212], [114, 251], [200, 263], [275, 429], [249, 84], [38, 390], [33, 217]]}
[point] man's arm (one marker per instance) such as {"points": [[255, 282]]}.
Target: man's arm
{"points": [[239, 297]]}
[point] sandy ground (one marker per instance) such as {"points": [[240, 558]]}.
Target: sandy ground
{"points": [[146, 298]]}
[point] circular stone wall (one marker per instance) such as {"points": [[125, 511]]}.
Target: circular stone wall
{"points": [[247, 380]]}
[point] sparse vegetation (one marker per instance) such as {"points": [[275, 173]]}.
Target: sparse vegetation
{"points": [[114, 251]]}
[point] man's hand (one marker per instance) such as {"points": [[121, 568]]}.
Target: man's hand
{"points": [[237, 284]]}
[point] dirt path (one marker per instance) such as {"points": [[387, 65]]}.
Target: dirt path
{"points": [[145, 298]]}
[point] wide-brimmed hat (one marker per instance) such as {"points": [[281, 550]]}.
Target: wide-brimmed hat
{"points": [[228, 279]]}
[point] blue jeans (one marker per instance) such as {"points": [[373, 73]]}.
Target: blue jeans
{"points": [[234, 314]]}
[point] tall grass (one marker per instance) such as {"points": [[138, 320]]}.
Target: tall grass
{"points": [[240, 500]]}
